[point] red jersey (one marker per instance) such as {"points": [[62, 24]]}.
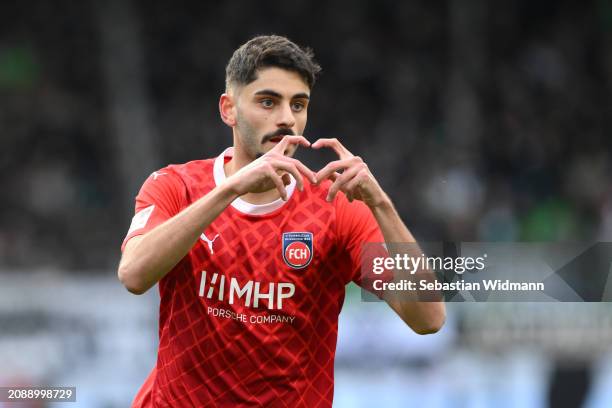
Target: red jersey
{"points": [[249, 317]]}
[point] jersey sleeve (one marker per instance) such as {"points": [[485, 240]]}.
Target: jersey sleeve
{"points": [[161, 197], [357, 230]]}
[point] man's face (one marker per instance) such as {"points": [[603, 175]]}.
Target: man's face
{"points": [[273, 105]]}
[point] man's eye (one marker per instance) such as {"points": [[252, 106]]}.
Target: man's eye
{"points": [[298, 106], [267, 103]]}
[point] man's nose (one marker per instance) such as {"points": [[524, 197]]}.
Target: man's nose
{"points": [[285, 117]]}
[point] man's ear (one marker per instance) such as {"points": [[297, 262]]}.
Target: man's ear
{"points": [[227, 109]]}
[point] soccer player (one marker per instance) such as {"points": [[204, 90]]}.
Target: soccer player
{"points": [[252, 249]]}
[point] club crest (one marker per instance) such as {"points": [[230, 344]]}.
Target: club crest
{"points": [[297, 249]]}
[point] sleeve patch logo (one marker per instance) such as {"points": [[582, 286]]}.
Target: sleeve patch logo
{"points": [[140, 219], [297, 249]]}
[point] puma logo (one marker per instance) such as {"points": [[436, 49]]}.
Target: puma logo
{"points": [[209, 242]]}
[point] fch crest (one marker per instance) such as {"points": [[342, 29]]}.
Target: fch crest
{"points": [[297, 249]]}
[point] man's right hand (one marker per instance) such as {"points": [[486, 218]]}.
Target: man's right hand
{"points": [[271, 171]]}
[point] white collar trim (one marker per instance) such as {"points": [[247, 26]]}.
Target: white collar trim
{"points": [[241, 205]]}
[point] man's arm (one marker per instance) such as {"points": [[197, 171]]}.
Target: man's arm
{"points": [[423, 317], [148, 258], [358, 183]]}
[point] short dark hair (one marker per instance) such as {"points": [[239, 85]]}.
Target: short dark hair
{"points": [[270, 51]]}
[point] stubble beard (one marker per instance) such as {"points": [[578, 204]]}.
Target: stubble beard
{"points": [[248, 138], [251, 143]]}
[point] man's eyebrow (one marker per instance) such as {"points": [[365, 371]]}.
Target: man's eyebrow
{"points": [[269, 92], [301, 95]]}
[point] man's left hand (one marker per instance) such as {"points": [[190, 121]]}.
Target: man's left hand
{"points": [[356, 180]]}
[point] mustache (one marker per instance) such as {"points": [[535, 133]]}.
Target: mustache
{"points": [[276, 133]]}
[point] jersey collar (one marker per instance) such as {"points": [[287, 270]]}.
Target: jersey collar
{"points": [[241, 205]]}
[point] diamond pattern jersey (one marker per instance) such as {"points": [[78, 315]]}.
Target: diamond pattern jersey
{"points": [[239, 326]]}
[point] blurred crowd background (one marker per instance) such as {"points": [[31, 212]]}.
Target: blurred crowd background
{"points": [[483, 121]]}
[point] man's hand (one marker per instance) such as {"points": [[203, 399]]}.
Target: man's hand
{"points": [[272, 171], [358, 183], [356, 180]]}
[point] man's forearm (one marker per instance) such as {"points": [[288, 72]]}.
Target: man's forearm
{"points": [[149, 257], [422, 317]]}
